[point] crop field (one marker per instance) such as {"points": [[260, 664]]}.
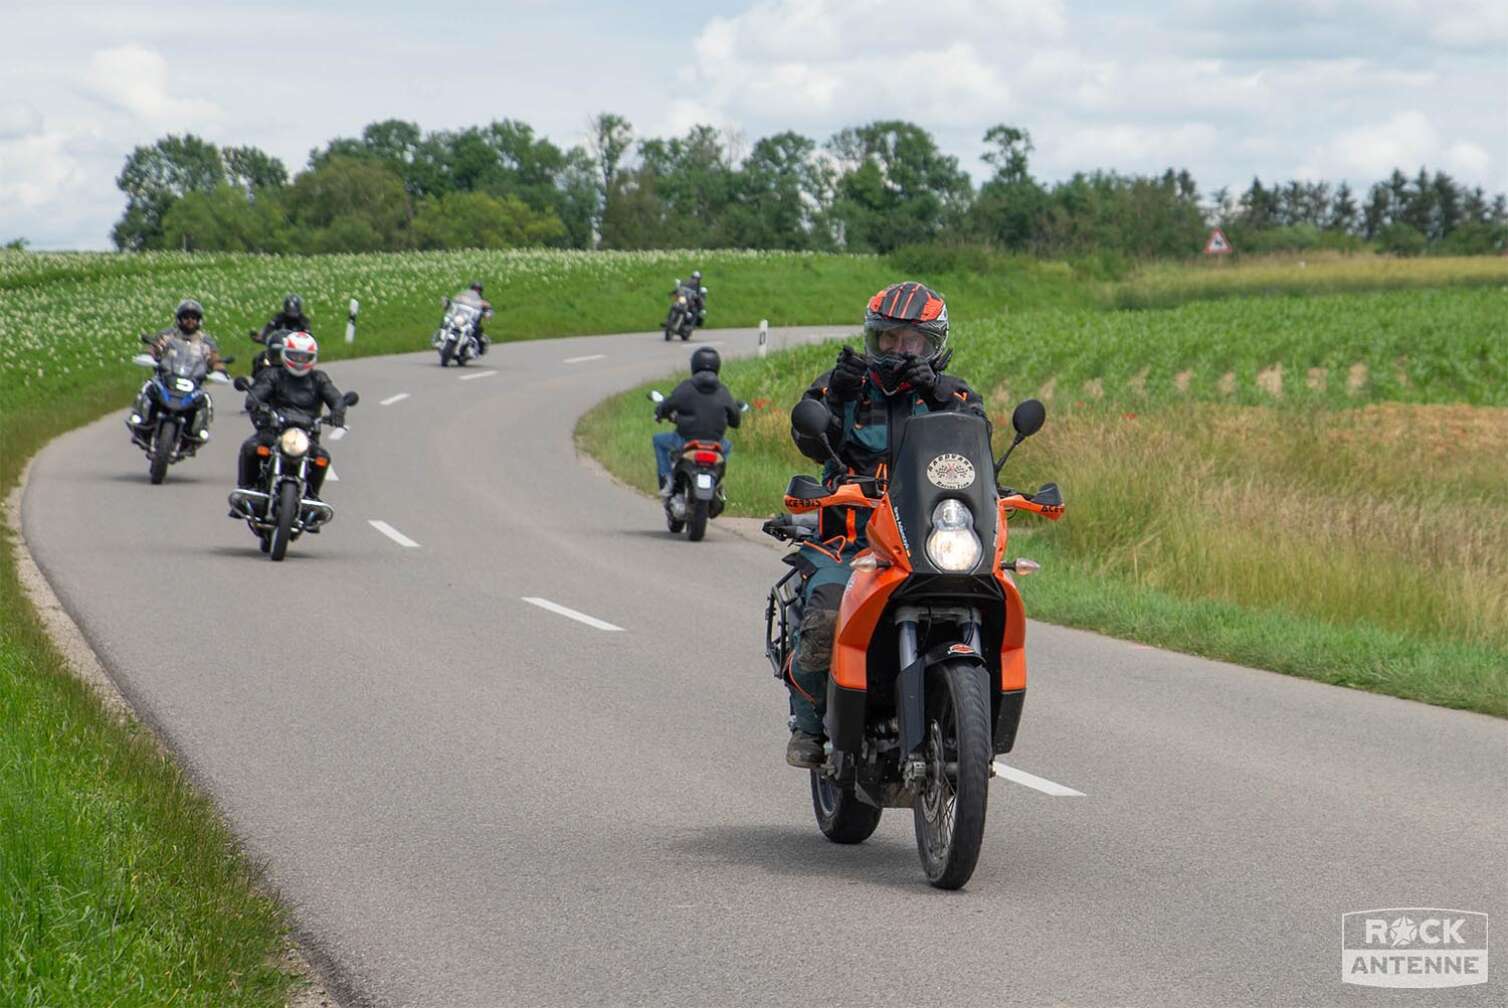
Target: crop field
{"points": [[1316, 485]]}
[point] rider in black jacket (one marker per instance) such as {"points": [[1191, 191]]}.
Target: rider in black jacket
{"points": [[703, 408], [290, 319], [295, 388]]}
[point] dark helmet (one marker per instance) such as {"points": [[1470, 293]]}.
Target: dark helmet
{"points": [[906, 306], [293, 306], [705, 359], [189, 308], [476, 285]]}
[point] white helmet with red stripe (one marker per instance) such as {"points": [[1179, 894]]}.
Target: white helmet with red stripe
{"points": [[299, 353]]}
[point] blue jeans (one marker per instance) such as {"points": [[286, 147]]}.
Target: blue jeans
{"points": [[668, 445]]}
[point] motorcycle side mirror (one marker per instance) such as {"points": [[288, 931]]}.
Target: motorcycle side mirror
{"points": [[1028, 418], [810, 418], [677, 281], [350, 398], [144, 360], [241, 384], [228, 360], [704, 290], [743, 407], [656, 396], [256, 337]]}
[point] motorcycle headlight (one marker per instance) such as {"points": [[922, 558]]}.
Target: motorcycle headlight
{"points": [[294, 442], [952, 545]]}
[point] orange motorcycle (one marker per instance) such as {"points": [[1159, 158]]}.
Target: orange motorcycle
{"points": [[928, 670]]}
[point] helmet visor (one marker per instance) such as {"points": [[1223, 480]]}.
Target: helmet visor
{"points": [[298, 360], [882, 337]]}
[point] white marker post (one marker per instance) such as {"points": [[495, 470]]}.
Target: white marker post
{"points": [[351, 321], [764, 336]]}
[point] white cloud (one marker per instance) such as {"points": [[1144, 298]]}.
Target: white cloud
{"points": [[134, 79], [1406, 140]]}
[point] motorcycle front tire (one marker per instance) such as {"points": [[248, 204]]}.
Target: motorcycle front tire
{"points": [[282, 533], [162, 449]]}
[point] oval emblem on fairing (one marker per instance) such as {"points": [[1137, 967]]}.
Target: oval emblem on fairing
{"points": [[951, 472]]}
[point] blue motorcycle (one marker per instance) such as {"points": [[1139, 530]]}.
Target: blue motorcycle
{"points": [[171, 416]]}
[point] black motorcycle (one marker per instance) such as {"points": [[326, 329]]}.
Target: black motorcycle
{"points": [[683, 316], [277, 511], [696, 482], [171, 415], [272, 348]]}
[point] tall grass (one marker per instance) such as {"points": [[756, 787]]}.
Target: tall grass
{"points": [[1165, 284], [1360, 502]]}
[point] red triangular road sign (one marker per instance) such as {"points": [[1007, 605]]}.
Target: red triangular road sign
{"points": [[1218, 244]]}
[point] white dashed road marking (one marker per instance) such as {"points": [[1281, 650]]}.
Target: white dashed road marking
{"points": [[579, 617], [477, 374], [331, 477], [1036, 783], [583, 360], [392, 533], [394, 398]]}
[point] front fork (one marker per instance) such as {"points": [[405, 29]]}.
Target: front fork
{"points": [[911, 699]]}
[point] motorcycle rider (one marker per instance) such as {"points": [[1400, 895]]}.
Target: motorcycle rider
{"points": [[695, 295], [296, 387], [187, 322], [472, 296], [703, 409], [290, 318], [869, 398]]}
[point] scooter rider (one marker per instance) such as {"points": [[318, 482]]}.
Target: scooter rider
{"points": [[703, 409], [472, 296], [297, 387], [869, 398]]}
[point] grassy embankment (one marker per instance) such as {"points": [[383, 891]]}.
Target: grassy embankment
{"points": [[1315, 485], [118, 885]]}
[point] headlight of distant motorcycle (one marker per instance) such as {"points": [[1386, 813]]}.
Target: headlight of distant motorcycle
{"points": [[294, 442], [681, 299], [953, 545]]}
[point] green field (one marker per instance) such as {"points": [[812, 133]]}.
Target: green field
{"points": [[1315, 485], [119, 886]]}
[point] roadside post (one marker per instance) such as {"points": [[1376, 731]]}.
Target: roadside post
{"points": [[764, 336], [351, 321]]}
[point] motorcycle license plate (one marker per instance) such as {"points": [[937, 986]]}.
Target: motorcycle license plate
{"points": [[704, 481]]}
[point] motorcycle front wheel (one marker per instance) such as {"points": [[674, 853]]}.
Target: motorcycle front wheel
{"points": [[950, 810], [841, 816], [445, 353], [288, 504], [162, 449]]}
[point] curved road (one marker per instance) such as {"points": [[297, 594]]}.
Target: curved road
{"points": [[471, 799]]}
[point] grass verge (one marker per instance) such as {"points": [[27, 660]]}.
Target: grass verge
{"points": [[1349, 526]]}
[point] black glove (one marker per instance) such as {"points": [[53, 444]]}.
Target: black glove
{"points": [[337, 418], [848, 376], [921, 377]]}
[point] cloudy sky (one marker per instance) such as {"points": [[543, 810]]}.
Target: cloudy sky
{"points": [[1227, 88]]}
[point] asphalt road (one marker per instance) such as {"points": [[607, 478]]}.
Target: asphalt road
{"points": [[470, 799]]}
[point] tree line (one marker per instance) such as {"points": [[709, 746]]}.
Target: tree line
{"points": [[868, 188]]}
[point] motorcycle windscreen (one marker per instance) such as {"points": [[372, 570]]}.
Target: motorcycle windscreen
{"points": [[943, 455], [462, 315], [183, 359]]}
